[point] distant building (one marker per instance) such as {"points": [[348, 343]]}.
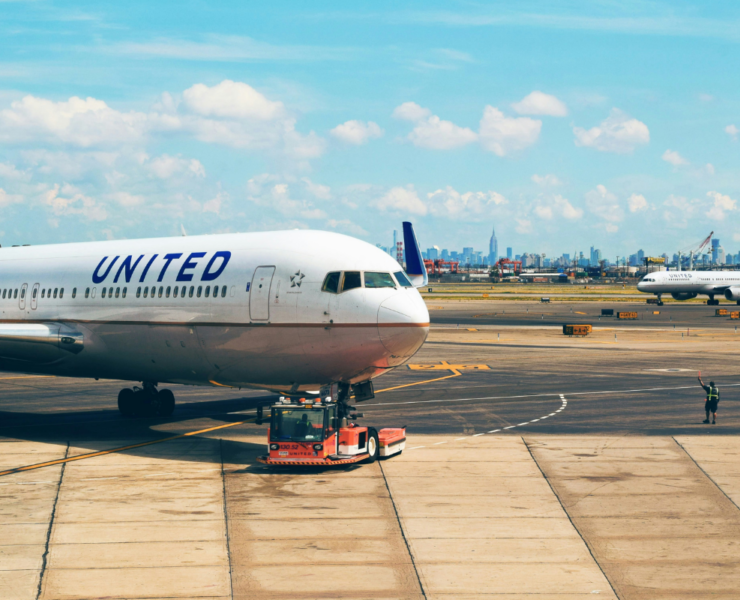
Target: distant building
{"points": [[509, 253], [445, 254], [493, 247], [432, 253], [715, 250]]}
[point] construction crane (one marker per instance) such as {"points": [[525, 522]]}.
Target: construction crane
{"points": [[694, 251]]}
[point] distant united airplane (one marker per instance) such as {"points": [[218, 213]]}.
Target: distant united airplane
{"points": [[685, 285]]}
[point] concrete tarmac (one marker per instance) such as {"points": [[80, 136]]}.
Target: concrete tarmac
{"points": [[537, 464]]}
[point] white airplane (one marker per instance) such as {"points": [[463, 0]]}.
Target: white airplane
{"points": [[286, 311], [685, 285]]}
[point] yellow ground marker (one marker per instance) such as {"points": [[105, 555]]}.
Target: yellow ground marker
{"points": [[51, 463], [445, 366]]}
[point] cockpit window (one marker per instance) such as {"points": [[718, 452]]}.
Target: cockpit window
{"points": [[331, 283], [352, 280], [403, 281], [378, 280]]}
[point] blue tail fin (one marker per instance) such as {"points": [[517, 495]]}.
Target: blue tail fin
{"points": [[414, 262]]}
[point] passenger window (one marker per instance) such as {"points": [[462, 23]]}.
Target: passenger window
{"points": [[43, 293], [331, 282], [174, 292], [138, 292], [61, 293], [118, 292], [402, 279], [23, 293], [124, 292], [4, 293], [102, 293], [200, 289], [74, 293], [192, 288], [161, 289], [379, 280], [146, 292], [352, 280], [223, 291], [55, 292], [208, 291], [35, 293], [87, 292], [15, 294], [167, 292]]}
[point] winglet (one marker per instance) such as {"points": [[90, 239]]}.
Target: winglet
{"points": [[415, 268]]}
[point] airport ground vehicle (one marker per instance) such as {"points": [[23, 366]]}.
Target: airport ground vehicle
{"points": [[314, 432]]}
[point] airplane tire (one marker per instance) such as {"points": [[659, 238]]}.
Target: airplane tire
{"points": [[166, 404], [127, 402], [373, 446]]}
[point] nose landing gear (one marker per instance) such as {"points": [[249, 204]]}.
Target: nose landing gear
{"points": [[146, 401]]}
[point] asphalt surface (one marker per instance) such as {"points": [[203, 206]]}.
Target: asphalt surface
{"points": [[625, 387], [522, 314]]}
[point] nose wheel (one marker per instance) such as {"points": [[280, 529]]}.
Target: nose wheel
{"points": [[146, 402]]}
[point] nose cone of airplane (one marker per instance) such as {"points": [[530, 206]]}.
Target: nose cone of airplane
{"points": [[403, 325]]}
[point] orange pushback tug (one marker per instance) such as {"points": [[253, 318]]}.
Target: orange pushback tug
{"points": [[315, 432]]}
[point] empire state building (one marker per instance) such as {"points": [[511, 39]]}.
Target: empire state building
{"points": [[493, 248]]}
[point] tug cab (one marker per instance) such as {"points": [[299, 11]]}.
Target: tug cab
{"points": [[316, 432]]}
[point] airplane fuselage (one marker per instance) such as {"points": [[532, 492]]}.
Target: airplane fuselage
{"points": [[687, 284], [232, 309]]}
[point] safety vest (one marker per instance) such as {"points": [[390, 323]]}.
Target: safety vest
{"points": [[713, 393]]}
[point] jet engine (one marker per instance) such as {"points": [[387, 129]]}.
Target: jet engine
{"points": [[732, 293], [683, 295]]}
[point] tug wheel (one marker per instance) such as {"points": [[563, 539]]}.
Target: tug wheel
{"points": [[127, 402], [373, 445]]}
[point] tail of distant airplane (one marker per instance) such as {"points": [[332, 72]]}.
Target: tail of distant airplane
{"points": [[415, 268]]}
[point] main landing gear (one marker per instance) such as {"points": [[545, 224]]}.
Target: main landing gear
{"points": [[146, 402], [712, 301], [660, 299]]}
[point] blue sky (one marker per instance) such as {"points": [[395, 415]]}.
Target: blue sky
{"points": [[563, 124]]}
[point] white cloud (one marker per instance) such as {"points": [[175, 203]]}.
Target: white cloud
{"points": [[165, 166], [8, 199], [546, 180], [611, 228], [77, 122], [709, 168], [322, 192], [539, 103], [549, 207], [8, 171], [231, 99], [347, 226], [214, 204], [69, 200], [523, 226], [411, 111], [673, 157], [604, 204], [617, 133], [127, 200], [435, 134], [401, 199], [356, 132], [452, 204], [503, 135], [732, 131], [721, 203], [275, 192], [637, 203]]}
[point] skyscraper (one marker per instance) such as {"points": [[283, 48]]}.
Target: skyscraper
{"points": [[509, 253], [715, 250], [493, 248]]}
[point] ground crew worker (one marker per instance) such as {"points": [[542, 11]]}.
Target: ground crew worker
{"points": [[710, 406]]}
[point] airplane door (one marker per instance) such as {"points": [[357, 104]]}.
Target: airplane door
{"points": [[259, 293], [35, 296]]}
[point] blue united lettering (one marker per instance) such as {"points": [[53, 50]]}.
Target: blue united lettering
{"points": [[127, 267]]}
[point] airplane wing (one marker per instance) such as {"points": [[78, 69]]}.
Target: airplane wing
{"points": [[415, 268]]}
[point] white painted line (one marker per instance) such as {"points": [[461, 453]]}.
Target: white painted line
{"points": [[535, 420], [494, 431], [462, 438], [520, 424], [510, 427], [478, 434]]}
